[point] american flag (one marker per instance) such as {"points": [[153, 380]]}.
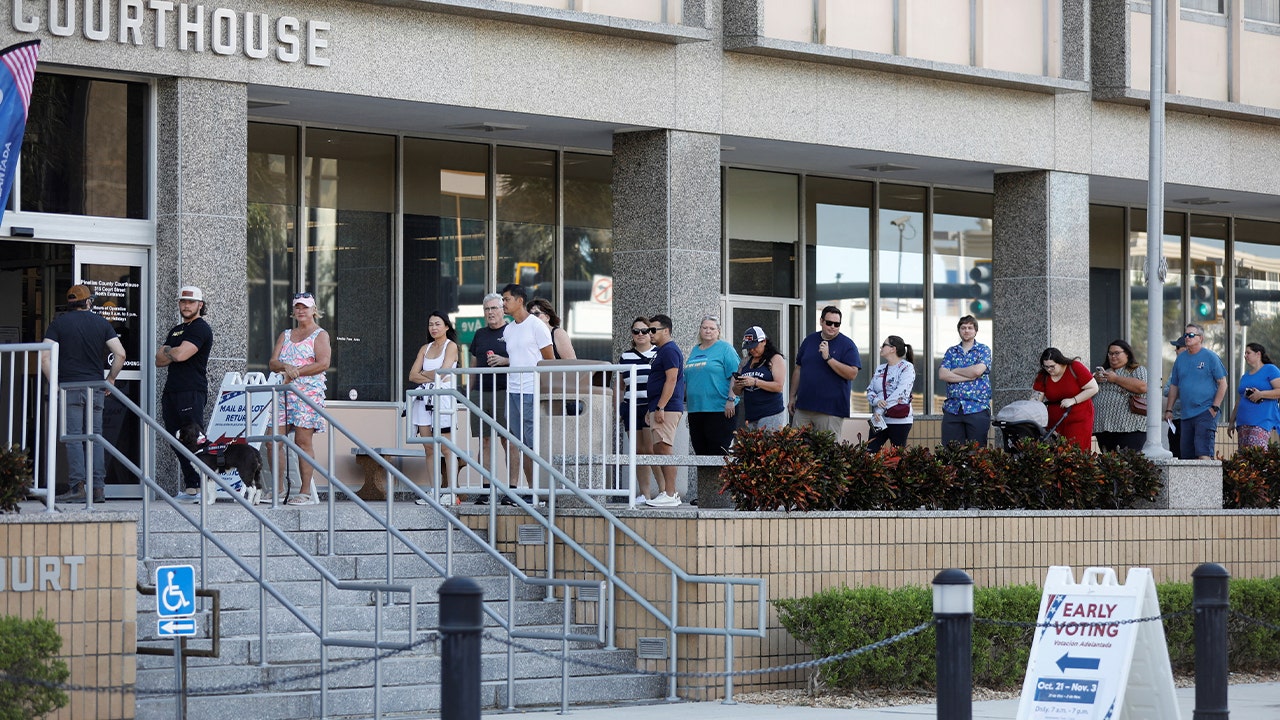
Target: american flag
{"points": [[21, 61], [15, 98]]}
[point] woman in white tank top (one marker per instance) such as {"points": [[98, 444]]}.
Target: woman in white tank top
{"points": [[441, 351]]}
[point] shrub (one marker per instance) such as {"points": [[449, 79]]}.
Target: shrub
{"points": [[15, 477], [28, 650], [1133, 477], [1251, 478], [768, 470]]}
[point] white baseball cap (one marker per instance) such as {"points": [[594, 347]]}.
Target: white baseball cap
{"points": [[190, 292]]}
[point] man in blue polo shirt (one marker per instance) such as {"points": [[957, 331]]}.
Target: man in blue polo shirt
{"points": [[822, 381], [1200, 380]]}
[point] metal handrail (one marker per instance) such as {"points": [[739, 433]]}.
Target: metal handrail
{"points": [[319, 630], [44, 478]]}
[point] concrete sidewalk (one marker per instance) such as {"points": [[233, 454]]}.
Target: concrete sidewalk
{"points": [[1246, 702]]}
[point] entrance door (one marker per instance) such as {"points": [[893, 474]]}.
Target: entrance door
{"points": [[120, 280], [775, 318]]}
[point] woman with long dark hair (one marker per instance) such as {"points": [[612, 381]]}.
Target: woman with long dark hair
{"points": [[759, 381], [1119, 377], [441, 351], [1067, 388], [561, 345], [890, 387], [1256, 413]]}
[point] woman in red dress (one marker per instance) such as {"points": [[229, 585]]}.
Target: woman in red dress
{"points": [[1067, 385]]}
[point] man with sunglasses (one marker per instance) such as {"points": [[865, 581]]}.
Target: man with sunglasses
{"points": [[1200, 380], [823, 377]]}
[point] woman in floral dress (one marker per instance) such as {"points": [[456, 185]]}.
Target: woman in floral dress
{"points": [[302, 356]]}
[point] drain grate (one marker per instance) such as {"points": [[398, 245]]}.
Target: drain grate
{"points": [[530, 535], [649, 648]]}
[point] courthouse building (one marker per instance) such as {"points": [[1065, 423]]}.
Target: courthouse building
{"points": [[910, 161]]}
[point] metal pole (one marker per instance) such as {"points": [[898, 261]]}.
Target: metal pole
{"points": [[1209, 591], [461, 621], [1154, 448], [953, 618]]}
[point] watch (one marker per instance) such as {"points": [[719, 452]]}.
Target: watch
{"points": [[1215, 408]]}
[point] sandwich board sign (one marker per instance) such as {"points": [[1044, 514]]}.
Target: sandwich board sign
{"points": [[1084, 664], [228, 423]]}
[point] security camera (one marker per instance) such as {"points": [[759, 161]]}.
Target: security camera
{"points": [[900, 222]]}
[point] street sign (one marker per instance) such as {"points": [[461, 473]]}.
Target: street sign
{"points": [[602, 289], [175, 591], [176, 627], [466, 328], [1085, 664]]}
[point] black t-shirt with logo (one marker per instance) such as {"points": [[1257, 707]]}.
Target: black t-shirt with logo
{"points": [[489, 340], [82, 336], [190, 374]]}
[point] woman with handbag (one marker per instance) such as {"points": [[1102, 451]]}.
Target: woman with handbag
{"points": [[441, 351], [1120, 407], [889, 395]]}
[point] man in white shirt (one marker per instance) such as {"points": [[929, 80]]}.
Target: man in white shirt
{"points": [[528, 341]]}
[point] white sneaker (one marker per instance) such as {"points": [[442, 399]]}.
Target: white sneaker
{"points": [[184, 496], [664, 500]]}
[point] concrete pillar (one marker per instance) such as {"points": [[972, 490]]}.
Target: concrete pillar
{"points": [[1040, 294], [201, 176]]}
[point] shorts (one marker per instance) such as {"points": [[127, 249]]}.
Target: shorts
{"points": [[520, 417], [773, 422], [494, 404], [665, 431], [819, 421], [624, 414]]}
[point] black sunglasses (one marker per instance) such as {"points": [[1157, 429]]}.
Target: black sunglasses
{"points": [[301, 295], [830, 323], [642, 331], [1190, 335]]}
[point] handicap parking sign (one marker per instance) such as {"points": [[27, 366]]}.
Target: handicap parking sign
{"points": [[175, 591]]}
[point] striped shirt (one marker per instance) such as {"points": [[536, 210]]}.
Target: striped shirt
{"points": [[634, 357]]}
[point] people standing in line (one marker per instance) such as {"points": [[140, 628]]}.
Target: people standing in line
{"points": [[1256, 414], [891, 387], [302, 355], [1067, 388], [561, 345], [1199, 380], [708, 390], [641, 353], [759, 381], [85, 339], [185, 353], [822, 381], [966, 368], [1119, 378], [528, 342], [666, 405], [1175, 423], [440, 351], [489, 391]]}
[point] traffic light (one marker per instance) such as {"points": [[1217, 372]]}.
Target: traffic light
{"points": [[981, 275], [1244, 314], [1204, 291]]}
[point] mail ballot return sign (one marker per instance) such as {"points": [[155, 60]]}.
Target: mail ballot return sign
{"points": [[1090, 660]]}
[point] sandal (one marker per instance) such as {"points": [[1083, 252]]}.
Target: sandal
{"points": [[304, 499]]}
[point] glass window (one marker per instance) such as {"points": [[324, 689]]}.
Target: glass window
{"points": [[763, 221], [272, 235], [1211, 6], [349, 185], [526, 221], [838, 265], [85, 148], [1262, 10], [446, 211], [962, 275], [1256, 316], [900, 241], [588, 254], [1174, 225], [1107, 249]]}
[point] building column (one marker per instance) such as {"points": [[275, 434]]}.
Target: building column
{"points": [[1040, 292], [201, 176], [666, 230]]}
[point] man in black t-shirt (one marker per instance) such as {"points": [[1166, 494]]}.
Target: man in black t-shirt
{"points": [[85, 339], [185, 353], [489, 349]]}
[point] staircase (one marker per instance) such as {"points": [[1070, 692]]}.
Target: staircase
{"points": [[238, 685]]}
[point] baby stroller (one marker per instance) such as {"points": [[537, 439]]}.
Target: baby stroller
{"points": [[1024, 419]]}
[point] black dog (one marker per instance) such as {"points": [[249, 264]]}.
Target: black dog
{"points": [[238, 456]]}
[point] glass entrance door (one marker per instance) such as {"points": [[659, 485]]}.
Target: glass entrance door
{"points": [[121, 282], [775, 318]]}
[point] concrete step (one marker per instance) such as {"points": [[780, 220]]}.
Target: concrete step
{"points": [[364, 568], [180, 545], [401, 701], [233, 518]]}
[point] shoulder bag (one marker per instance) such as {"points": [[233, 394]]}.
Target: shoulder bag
{"points": [[898, 411]]}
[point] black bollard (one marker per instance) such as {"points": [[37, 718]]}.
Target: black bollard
{"points": [[953, 615], [1209, 590], [461, 622]]}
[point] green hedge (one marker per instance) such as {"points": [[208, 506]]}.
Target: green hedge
{"points": [[1251, 478], [28, 650], [840, 619]]}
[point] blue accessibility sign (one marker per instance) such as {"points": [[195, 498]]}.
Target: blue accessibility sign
{"points": [[175, 627], [175, 591]]}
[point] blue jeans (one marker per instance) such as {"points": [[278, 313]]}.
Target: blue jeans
{"points": [[75, 450], [1199, 435]]}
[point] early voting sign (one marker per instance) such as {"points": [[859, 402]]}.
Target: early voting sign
{"points": [[1084, 664]]}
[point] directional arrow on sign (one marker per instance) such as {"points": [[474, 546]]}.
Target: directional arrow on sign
{"points": [[176, 626], [1079, 663]]}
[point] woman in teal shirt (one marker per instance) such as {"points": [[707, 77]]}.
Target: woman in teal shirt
{"points": [[711, 404]]}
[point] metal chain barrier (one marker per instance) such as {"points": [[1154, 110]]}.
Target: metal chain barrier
{"points": [[722, 674], [431, 637], [1255, 621], [1079, 623]]}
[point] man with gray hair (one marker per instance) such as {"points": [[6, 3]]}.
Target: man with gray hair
{"points": [[489, 392], [1200, 381]]}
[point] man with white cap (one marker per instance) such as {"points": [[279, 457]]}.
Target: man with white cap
{"points": [[185, 353]]}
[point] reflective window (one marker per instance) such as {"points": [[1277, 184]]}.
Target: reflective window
{"points": [[272, 235], [1174, 225], [838, 265], [587, 314], [763, 221], [446, 211], [349, 193], [900, 239], [1262, 10], [1256, 315], [1211, 6], [1107, 248], [962, 275], [526, 221], [85, 148]]}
